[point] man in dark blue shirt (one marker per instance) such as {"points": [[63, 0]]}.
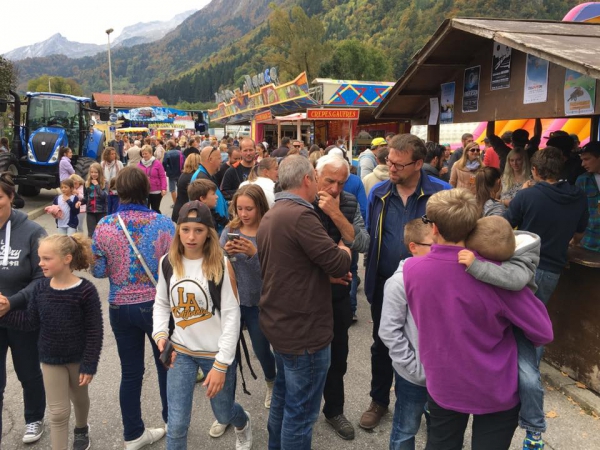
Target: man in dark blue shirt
{"points": [[392, 204]]}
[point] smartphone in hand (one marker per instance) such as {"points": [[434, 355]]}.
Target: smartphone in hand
{"points": [[233, 236], [165, 356]]}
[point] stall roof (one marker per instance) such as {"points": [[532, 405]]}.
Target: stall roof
{"points": [[572, 45], [126, 100]]}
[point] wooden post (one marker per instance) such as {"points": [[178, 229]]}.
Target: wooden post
{"points": [[433, 133], [594, 128]]}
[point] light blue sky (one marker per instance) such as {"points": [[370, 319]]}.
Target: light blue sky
{"points": [[27, 22]]}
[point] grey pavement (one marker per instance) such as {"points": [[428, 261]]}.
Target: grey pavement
{"points": [[570, 427]]}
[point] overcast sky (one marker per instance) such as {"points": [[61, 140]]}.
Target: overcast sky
{"points": [[27, 22]]}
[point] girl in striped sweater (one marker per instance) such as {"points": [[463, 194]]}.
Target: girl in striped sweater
{"points": [[67, 311]]}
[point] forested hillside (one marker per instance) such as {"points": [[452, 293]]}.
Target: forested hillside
{"points": [[394, 28], [217, 46]]}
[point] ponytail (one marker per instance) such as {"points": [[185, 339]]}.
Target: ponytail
{"points": [[78, 246]]}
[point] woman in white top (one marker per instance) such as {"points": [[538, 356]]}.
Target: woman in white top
{"points": [[197, 288], [265, 176], [110, 164]]}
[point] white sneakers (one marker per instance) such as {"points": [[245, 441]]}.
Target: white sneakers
{"points": [[269, 394], [150, 436], [217, 429], [244, 437]]}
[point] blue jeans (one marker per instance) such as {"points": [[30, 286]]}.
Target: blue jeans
{"points": [[260, 344], [354, 283], [546, 282], [531, 392], [26, 362], [410, 406], [181, 381], [130, 325], [297, 398]]}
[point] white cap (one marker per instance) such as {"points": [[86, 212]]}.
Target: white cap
{"points": [[335, 151]]}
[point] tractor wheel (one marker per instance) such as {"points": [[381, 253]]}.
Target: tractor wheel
{"points": [[26, 190], [8, 163], [82, 167]]}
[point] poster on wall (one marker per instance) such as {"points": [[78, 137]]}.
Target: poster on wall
{"points": [[470, 102], [580, 93], [434, 111], [500, 67], [536, 80], [447, 102]]}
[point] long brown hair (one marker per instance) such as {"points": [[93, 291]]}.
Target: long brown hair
{"points": [[256, 194], [485, 182], [212, 256], [101, 179]]}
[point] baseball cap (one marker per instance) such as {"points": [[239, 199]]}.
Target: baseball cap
{"points": [[378, 141], [203, 214], [556, 133], [591, 147]]}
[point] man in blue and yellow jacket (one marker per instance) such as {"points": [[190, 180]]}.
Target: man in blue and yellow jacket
{"points": [[392, 204]]}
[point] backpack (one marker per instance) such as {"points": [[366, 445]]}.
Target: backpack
{"points": [[215, 293]]}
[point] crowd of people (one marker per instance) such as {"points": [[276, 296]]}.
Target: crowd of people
{"points": [[271, 243]]}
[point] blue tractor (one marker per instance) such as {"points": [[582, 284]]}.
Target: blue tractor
{"points": [[52, 121]]}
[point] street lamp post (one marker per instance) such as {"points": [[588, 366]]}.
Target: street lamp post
{"points": [[112, 107]]}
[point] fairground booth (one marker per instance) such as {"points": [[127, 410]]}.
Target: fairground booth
{"points": [[321, 114], [480, 70]]}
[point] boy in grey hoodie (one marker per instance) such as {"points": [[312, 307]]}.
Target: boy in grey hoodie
{"points": [[398, 332], [518, 254]]}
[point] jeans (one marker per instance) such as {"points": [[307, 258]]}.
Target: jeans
{"points": [[333, 392], [130, 325], [24, 352], [354, 283], [410, 406], [382, 373], [296, 398], [546, 282], [67, 231], [490, 431], [173, 184], [181, 381], [260, 344], [531, 392]]}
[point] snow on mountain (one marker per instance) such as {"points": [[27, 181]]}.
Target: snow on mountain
{"points": [[132, 35]]}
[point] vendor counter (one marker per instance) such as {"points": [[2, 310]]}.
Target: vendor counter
{"points": [[575, 312]]}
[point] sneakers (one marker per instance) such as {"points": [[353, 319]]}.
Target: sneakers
{"points": [[269, 394], [81, 438], [33, 432], [149, 436], [372, 416], [533, 441], [200, 376], [217, 429], [342, 427], [244, 437], [354, 318]]}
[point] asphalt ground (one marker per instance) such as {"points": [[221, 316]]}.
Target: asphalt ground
{"points": [[570, 425]]}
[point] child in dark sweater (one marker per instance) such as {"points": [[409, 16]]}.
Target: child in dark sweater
{"points": [[67, 311]]}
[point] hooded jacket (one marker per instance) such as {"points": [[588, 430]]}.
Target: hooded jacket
{"points": [[378, 203], [518, 271], [379, 174], [20, 276], [555, 212]]}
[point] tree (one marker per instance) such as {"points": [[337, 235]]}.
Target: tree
{"points": [[8, 76], [355, 60], [297, 42], [60, 85]]}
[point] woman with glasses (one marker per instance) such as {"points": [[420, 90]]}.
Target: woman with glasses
{"points": [[465, 170]]}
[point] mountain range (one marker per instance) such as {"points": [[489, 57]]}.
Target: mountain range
{"points": [[139, 33], [215, 47]]}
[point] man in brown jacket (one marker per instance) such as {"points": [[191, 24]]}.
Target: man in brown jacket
{"points": [[297, 257]]}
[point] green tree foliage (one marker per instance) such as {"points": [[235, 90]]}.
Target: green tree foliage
{"points": [[297, 42], [60, 85], [355, 60], [8, 76]]}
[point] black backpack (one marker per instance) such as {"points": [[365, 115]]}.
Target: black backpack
{"points": [[215, 293]]}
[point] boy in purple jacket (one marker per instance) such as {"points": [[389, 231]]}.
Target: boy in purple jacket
{"points": [[466, 342]]}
